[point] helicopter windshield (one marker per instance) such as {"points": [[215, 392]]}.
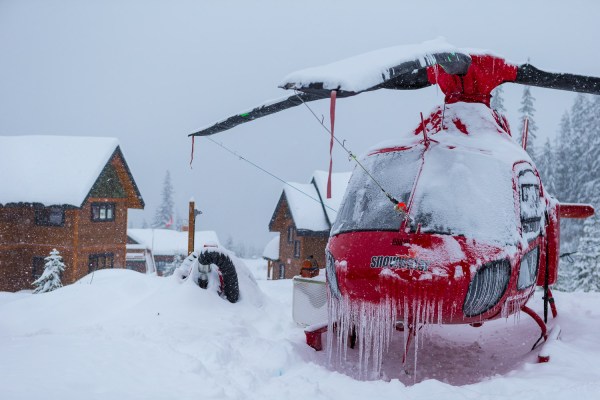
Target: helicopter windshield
{"points": [[365, 206], [459, 192]]}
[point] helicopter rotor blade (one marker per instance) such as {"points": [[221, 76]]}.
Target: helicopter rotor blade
{"points": [[354, 75], [527, 74], [258, 112], [400, 68], [407, 75]]}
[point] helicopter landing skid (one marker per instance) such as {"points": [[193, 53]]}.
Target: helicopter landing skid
{"points": [[313, 335], [549, 336], [547, 347]]}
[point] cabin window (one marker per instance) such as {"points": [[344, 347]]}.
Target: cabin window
{"points": [[164, 268], [100, 261], [290, 234], [296, 249], [281, 271], [50, 216], [38, 266], [103, 212]]}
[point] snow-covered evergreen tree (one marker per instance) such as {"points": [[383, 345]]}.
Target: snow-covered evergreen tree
{"points": [[586, 269], [577, 178], [50, 279], [591, 152], [574, 168], [578, 144], [546, 166], [164, 217], [563, 160], [527, 110], [497, 101]]}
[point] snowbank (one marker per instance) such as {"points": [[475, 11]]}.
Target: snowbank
{"points": [[167, 242], [134, 336]]}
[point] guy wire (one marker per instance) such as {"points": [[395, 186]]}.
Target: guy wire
{"points": [[265, 171], [350, 154]]}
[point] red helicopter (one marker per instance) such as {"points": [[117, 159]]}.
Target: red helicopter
{"points": [[448, 224]]}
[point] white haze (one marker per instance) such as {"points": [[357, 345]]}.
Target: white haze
{"points": [[151, 72]]}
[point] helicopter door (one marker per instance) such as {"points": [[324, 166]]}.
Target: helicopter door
{"points": [[552, 247]]}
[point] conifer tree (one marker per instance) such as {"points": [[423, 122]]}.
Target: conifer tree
{"points": [[546, 166], [50, 279], [577, 178], [563, 160], [164, 217], [586, 269], [497, 101], [527, 110], [591, 151]]}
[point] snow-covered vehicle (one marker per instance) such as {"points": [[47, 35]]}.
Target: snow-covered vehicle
{"points": [[450, 223]]}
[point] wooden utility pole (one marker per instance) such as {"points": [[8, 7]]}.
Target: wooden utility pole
{"points": [[192, 225]]}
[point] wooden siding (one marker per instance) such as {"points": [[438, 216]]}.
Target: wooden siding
{"points": [[79, 237], [21, 239], [309, 245]]}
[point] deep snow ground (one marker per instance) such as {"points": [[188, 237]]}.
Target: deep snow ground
{"points": [[132, 336]]}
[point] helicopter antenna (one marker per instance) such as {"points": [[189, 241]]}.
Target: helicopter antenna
{"points": [[350, 154], [525, 133]]}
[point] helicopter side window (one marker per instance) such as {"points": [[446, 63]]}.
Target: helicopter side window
{"points": [[530, 203]]}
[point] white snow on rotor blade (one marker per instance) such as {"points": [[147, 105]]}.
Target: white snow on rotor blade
{"points": [[363, 71]]}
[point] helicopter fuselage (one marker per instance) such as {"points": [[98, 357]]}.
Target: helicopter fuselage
{"points": [[477, 236]]}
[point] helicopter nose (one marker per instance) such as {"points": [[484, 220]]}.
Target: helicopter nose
{"points": [[444, 271]]}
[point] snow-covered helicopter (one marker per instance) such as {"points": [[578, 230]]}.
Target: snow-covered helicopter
{"points": [[447, 224]]}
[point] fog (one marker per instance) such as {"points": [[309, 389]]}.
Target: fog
{"points": [[151, 72]]}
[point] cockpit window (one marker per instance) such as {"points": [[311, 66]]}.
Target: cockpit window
{"points": [[459, 192], [365, 206]]}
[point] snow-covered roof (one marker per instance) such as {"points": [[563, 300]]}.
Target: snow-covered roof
{"points": [[308, 203], [307, 213], [339, 182], [272, 249], [51, 170], [165, 242]]}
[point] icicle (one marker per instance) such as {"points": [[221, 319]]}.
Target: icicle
{"points": [[374, 324]]}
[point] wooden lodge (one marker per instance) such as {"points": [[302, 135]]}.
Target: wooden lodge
{"points": [[68, 193], [303, 219]]}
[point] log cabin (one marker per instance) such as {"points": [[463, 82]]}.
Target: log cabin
{"points": [[303, 218], [67, 193]]}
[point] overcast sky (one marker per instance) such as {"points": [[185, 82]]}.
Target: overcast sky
{"points": [[151, 72]]}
